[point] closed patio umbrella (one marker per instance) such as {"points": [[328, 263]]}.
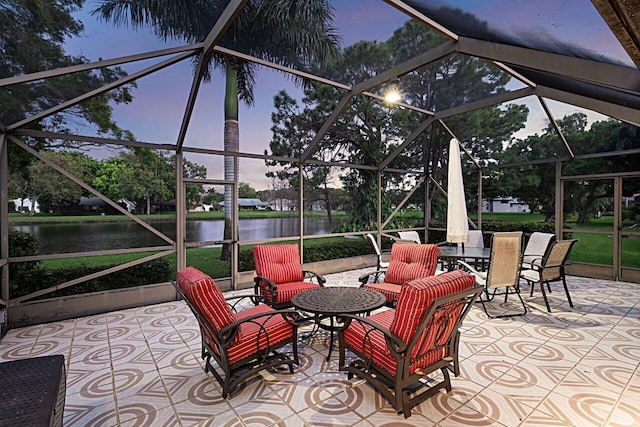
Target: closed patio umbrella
{"points": [[457, 225]]}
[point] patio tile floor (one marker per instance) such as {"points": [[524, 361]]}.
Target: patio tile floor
{"points": [[141, 367]]}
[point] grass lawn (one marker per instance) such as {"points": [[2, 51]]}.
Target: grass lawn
{"points": [[205, 259], [592, 248], [510, 216]]}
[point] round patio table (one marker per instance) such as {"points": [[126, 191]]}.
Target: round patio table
{"points": [[331, 301]]}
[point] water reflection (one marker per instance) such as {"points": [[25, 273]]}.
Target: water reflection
{"points": [[66, 238]]}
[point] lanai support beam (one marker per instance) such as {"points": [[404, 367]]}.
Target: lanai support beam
{"points": [[416, 133], [230, 12], [40, 75], [4, 226], [611, 75], [556, 127], [626, 114], [106, 88], [435, 54]]}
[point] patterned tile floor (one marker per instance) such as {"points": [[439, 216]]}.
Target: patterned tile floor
{"points": [[573, 367]]}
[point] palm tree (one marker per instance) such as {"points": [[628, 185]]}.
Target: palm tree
{"points": [[294, 33]]}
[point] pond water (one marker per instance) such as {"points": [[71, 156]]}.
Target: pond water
{"points": [[83, 237]]}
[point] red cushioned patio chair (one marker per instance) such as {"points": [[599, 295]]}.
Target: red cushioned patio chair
{"points": [[408, 261], [279, 274], [243, 343], [397, 348]]}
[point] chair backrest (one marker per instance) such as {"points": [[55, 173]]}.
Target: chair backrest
{"points": [[505, 259], [374, 243], [279, 263], [417, 298], [537, 246], [204, 298], [409, 235], [411, 261], [555, 259], [476, 239]]}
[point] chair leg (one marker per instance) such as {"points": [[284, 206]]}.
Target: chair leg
{"points": [[516, 291], [532, 286], [566, 291], [544, 295]]}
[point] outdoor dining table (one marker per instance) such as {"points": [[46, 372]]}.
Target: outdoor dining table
{"points": [[330, 302], [451, 254]]}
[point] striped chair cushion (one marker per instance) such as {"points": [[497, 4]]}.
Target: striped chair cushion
{"points": [[204, 293], [417, 297], [390, 290], [279, 263], [254, 337], [371, 343], [287, 290], [411, 261]]}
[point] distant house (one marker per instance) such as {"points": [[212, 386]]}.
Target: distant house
{"points": [[504, 204], [283, 204], [24, 205], [97, 205], [250, 204], [203, 208]]}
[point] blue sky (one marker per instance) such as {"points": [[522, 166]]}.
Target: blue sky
{"points": [[156, 113]]}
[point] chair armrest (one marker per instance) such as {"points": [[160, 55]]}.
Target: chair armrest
{"points": [[543, 267], [228, 333], [363, 279], [468, 268], [310, 274], [394, 343], [273, 288], [537, 262], [255, 299]]}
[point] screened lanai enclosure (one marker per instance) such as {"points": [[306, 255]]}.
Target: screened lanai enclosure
{"points": [[289, 98]]}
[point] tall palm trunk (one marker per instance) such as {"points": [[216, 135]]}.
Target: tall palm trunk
{"points": [[231, 143]]}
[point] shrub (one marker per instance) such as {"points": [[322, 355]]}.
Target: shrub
{"points": [[155, 271], [343, 248], [437, 236], [28, 277]]}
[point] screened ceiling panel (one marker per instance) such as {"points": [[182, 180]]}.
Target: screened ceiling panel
{"points": [[571, 27]]}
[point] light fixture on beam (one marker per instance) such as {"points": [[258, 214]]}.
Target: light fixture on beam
{"points": [[392, 93]]}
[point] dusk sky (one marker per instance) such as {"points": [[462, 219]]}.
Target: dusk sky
{"points": [[157, 110]]}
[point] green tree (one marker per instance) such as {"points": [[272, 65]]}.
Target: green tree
{"points": [[290, 136], [32, 35], [367, 131], [51, 190], [535, 184], [194, 192], [287, 32], [144, 175], [212, 197], [246, 191]]}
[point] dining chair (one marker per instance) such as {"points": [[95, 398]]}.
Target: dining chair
{"points": [[503, 271], [550, 268], [476, 240], [536, 247], [379, 263], [410, 236]]}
